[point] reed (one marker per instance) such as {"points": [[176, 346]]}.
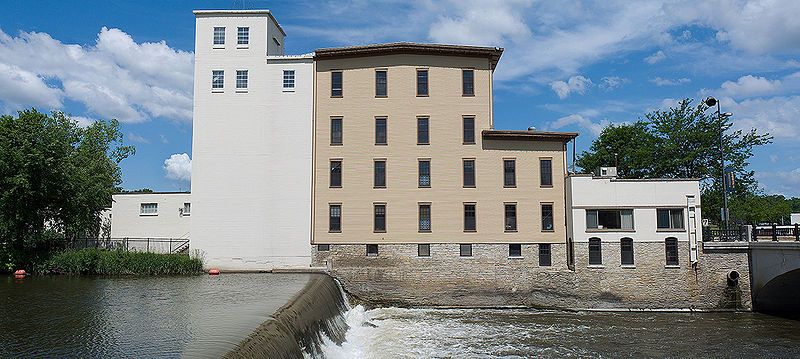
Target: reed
{"points": [[91, 261]]}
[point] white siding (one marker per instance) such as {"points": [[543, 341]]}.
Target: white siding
{"points": [[127, 222]]}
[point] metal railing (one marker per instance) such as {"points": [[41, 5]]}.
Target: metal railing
{"points": [[777, 233], [744, 233], [151, 245], [724, 235]]}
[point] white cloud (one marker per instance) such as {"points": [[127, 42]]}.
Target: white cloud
{"points": [[786, 182], [655, 58], [178, 167], [611, 82], [776, 115], [578, 84], [576, 119], [748, 86], [114, 78], [83, 122], [137, 138], [658, 81]]}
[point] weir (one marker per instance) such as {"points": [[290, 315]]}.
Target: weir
{"points": [[298, 328]]}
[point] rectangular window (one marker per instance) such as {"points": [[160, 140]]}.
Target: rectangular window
{"points": [[511, 217], [468, 82], [545, 259], [609, 219], [465, 250], [469, 173], [424, 217], [335, 218], [336, 84], [187, 209], [241, 79], [243, 35], [379, 180], [595, 252], [546, 172], [670, 218], [470, 223], [323, 247], [515, 250], [219, 36], [336, 131], [672, 251], [217, 79], [336, 174], [380, 83], [372, 250], [422, 82], [148, 208], [423, 135], [547, 217], [469, 130], [626, 251], [509, 173], [424, 173], [423, 250], [380, 131], [379, 223], [288, 79]]}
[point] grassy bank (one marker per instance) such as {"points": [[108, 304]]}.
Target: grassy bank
{"points": [[112, 262]]}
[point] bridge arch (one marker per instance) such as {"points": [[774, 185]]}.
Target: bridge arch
{"points": [[779, 294]]}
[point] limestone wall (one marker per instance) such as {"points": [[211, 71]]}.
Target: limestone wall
{"points": [[397, 276]]}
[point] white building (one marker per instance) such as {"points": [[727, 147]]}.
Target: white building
{"points": [[251, 157], [624, 215], [151, 221], [795, 218]]}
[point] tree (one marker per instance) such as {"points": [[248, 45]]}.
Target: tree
{"points": [[681, 142], [55, 179]]}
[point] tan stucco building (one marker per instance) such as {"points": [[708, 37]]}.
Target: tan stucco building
{"points": [[405, 153]]}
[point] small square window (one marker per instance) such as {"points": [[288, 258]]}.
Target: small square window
{"points": [[243, 35], [465, 250], [187, 209], [515, 250], [288, 79], [423, 250], [372, 250], [323, 247]]}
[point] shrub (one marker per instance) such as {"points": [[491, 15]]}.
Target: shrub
{"points": [[118, 262]]}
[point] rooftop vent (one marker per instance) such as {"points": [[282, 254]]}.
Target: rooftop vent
{"points": [[531, 128], [606, 172]]}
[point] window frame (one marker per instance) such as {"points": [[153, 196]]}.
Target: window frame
{"points": [[331, 173], [420, 183], [474, 217], [340, 132], [421, 253], [242, 36], [464, 176], [242, 77], [626, 255], [375, 180], [384, 85], [385, 130], [334, 89], [289, 80], [371, 250], [323, 247], [465, 250], [426, 120], [420, 226], [514, 250], [672, 252], [596, 215], [512, 171], [552, 216], [549, 178], [426, 83], [545, 255], [331, 221], [375, 213], [464, 139], [596, 247], [144, 213], [506, 218], [214, 39], [217, 74], [464, 91], [671, 227], [184, 212]]}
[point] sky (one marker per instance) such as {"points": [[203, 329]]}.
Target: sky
{"points": [[567, 66]]}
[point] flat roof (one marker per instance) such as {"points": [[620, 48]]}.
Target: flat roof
{"points": [[253, 12], [528, 135], [491, 53], [615, 179], [163, 192]]}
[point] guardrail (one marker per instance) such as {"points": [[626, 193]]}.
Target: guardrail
{"points": [[152, 245], [744, 233], [776, 233], [724, 234]]}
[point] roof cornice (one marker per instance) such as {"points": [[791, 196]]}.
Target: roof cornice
{"points": [[491, 53]]}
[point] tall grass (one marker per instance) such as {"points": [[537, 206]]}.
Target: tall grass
{"points": [[118, 262]]}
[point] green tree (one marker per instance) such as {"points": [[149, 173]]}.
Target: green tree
{"points": [[681, 142], [55, 178], [756, 208]]}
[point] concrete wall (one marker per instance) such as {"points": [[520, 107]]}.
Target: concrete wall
{"points": [[251, 160], [169, 222]]}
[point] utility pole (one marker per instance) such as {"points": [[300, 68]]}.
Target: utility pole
{"points": [[710, 102]]}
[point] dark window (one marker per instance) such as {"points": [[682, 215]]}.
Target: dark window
{"points": [[672, 251], [335, 218], [380, 174], [469, 173], [336, 84], [423, 250], [423, 134], [336, 131], [422, 82], [219, 36], [546, 172], [547, 217], [465, 250], [380, 83], [511, 217], [380, 218], [509, 173], [380, 131], [626, 251], [544, 255], [469, 130], [336, 174], [424, 218], [243, 35], [468, 80], [609, 219], [470, 224], [595, 252], [670, 218], [323, 247], [372, 250], [424, 173], [515, 250]]}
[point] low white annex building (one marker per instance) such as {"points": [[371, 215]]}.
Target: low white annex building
{"points": [[151, 220], [616, 218]]}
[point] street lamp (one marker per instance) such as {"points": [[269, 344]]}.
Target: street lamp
{"points": [[711, 102]]}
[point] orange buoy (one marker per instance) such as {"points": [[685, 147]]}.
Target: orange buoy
{"points": [[213, 271], [19, 276], [20, 272]]}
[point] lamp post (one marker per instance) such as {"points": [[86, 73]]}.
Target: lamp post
{"points": [[711, 102]]}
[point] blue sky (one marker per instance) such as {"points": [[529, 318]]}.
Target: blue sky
{"points": [[567, 66]]}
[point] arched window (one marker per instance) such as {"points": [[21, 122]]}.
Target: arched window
{"points": [[671, 249], [595, 252], [626, 251]]}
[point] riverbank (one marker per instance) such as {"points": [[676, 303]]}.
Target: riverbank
{"points": [[91, 261]]}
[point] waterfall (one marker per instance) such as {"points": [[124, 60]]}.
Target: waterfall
{"points": [[301, 326]]}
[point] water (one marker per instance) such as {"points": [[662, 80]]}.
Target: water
{"points": [[138, 317]]}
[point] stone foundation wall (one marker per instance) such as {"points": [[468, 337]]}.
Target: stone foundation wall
{"points": [[397, 276]]}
